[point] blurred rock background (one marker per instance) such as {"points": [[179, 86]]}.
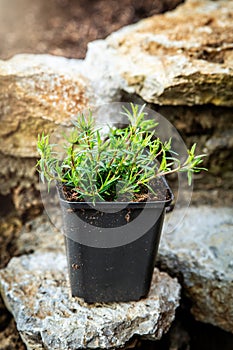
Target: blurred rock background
{"points": [[64, 27]]}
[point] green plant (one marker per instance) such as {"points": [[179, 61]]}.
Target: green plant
{"points": [[124, 163]]}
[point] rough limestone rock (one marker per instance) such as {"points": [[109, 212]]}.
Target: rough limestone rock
{"points": [[37, 94], [183, 57], [35, 289], [200, 252]]}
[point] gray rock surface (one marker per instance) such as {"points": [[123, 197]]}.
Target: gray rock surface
{"points": [[200, 252], [183, 57], [41, 235], [35, 289]]}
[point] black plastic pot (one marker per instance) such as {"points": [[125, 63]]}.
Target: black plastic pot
{"points": [[106, 260]]}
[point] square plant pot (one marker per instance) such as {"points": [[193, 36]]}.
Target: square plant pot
{"points": [[111, 247]]}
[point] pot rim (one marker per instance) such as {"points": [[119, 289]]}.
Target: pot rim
{"points": [[130, 204]]}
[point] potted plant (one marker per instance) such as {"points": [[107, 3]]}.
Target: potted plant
{"points": [[113, 195]]}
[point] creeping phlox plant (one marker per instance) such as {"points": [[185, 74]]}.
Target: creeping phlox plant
{"points": [[125, 162]]}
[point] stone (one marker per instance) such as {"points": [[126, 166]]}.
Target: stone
{"points": [[183, 57], [35, 290], [41, 234], [9, 232], [200, 252], [219, 142], [211, 127], [36, 94]]}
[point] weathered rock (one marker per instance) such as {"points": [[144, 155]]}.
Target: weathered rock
{"points": [[37, 94], [196, 253], [40, 234], [184, 57], [35, 290], [212, 128], [200, 252], [9, 232], [219, 142]]}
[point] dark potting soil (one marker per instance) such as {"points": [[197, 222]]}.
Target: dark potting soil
{"points": [[162, 193]]}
